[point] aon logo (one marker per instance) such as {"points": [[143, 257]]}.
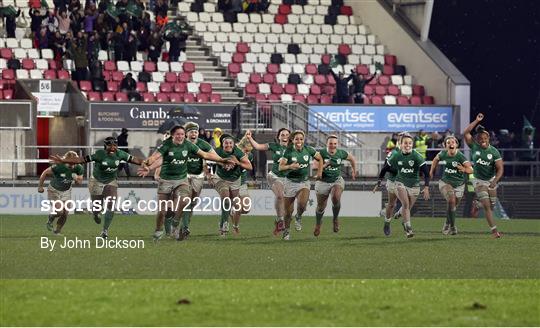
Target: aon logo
{"points": [[404, 170], [193, 159], [450, 171], [331, 168], [177, 161], [111, 169], [303, 166], [482, 162]]}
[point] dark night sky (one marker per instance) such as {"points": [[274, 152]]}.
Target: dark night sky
{"points": [[495, 44]]}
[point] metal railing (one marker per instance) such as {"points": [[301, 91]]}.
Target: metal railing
{"points": [[296, 116]]}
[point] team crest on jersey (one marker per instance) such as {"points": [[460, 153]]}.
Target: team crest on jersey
{"points": [[278, 152], [411, 163], [306, 157], [489, 156], [339, 161], [184, 153], [116, 162], [454, 164]]}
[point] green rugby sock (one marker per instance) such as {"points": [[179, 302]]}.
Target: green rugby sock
{"points": [[169, 217], [318, 217], [186, 218], [452, 217], [108, 220]]}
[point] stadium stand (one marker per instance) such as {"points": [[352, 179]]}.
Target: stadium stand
{"points": [[284, 54]]}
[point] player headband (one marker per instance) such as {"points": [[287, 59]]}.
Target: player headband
{"points": [[190, 126]]}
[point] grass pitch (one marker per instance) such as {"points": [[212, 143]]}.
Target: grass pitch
{"points": [[356, 277]]}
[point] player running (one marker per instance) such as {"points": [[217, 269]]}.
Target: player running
{"points": [[407, 163], [103, 184], [296, 162], [452, 183], [59, 189], [227, 181], [275, 178], [332, 182], [488, 169], [172, 155], [244, 205], [390, 189]]}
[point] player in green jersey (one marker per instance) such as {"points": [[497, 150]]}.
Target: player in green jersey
{"points": [[172, 155], [227, 180], [103, 183], [244, 205], [408, 163], [488, 169], [390, 189], [296, 161], [275, 178], [452, 183], [197, 170], [59, 189], [331, 183]]}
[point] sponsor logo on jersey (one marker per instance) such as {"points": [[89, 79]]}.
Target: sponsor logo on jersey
{"points": [[482, 162], [178, 161], [193, 159], [278, 152], [404, 170], [450, 171], [303, 166]]}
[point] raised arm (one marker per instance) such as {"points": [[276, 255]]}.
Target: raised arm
{"points": [[467, 133], [212, 156], [42, 177], [320, 166], [255, 144], [352, 160], [434, 165]]}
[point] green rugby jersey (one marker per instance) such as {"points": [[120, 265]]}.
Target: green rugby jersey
{"points": [[451, 174], [484, 161], [63, 176], [234, 173], [277, 152], [302, 157], [175, 159], [106, 164], [194, 162], [407, 166], [332, 172], [244, 175]]}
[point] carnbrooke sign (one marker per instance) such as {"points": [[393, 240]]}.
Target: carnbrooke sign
{"points": [[381, 118], [150, 116]]}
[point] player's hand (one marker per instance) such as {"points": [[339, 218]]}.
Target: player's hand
{"points": [[231, 161], [425, 191], [57, 159], [479, 117], [294, 166], [318, 177], [40, 189], [460, 167], [353, 174], [493, 185], [248, 134], [377, 186], [143, 171]]}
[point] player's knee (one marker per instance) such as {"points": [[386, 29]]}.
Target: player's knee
{"points": [[483, 194], [493, 200]]}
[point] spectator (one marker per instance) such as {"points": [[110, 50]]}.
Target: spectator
{"points": [[37, 18], [11, 23], [391, 144], [118, 46], [64, 22], [421, 142], [130, 49], [236, 6], [76, 22], [434, 142], [92, 47], [90, 18], [358, 86], [208, 136], [224, 6], [177, 42], [42, 39], [161, 8], [156, 44], [74, 6], [60, 5], [216, 143], [128, 83], [123, 145], [342, 87], [58, 45], [79, 54], [50, 22]]}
